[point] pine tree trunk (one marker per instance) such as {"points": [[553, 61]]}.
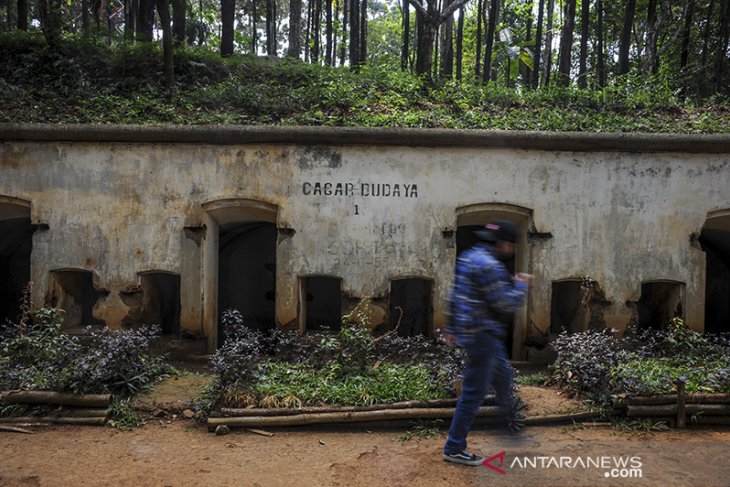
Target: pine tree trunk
{"points": [[271, 27], [163, 10], [722, 47], [295, 28], [548, 64], [363, 31], [584, 33], [329, 49], [354, 33], [460, 43], [179, 9], [600, 58], [538, 45], [22, 21], [405, 48], [650, 60], [566, 42], [254, 44], [479, 40], [446, 67], [625, 41], [686, 34], [491, 27], [228, 8], [145, 20]]}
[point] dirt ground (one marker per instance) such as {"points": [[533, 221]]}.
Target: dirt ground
{"points": [[176, 452]]}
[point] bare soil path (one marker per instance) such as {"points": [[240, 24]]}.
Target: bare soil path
{"points": [[178, 453]]}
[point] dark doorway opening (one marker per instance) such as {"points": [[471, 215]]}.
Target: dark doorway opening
{"points": [[161, 303], [16, 241], [74, 293], [659, 303], [567, 311], [410, 306], [247, 272], [715, 241], [323, 303]]}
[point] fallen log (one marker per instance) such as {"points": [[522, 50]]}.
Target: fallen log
{"points": [[53, 420], [671, 410], [672, 399], [84, 413], [345, 417], [58, 398], [558, 418], [435, 403]]}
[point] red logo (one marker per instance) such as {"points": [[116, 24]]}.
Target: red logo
{"points": [[488, 462]]}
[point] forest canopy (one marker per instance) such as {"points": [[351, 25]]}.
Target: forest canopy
{"points": [[634, 65]]}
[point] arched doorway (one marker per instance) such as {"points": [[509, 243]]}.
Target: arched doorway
{"points": [[715, 241], [239, 263], [16, 242]]}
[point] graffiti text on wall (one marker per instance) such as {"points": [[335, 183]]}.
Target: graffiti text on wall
{"points": [[382, 190]]}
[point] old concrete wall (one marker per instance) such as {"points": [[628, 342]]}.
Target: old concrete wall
{"points": [[367, 209]]}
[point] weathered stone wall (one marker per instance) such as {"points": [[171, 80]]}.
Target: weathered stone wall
{"points": [[364, 206]]}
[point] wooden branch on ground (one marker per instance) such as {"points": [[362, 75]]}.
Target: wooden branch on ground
{"points": [[59, 398], [346, 417], [53, 420]]}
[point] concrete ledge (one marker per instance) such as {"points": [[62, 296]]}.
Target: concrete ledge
{"points": [[339, 136]]}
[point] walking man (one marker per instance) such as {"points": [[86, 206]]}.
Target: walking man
{"points": [[483, 294]]}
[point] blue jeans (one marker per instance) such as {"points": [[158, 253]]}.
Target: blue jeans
{"points": [[486, 365]]}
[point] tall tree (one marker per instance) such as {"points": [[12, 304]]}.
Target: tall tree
{"points": [[355, 58], [585, 19], [686, 34], [363, 31], [163, 11], [130, 18], [600, 59], [478, 40], [651, 64], [489, 44], [446, 65], [328, 33], [145, 20], [538, 45], [405, 49], [566, 42], [254, 33], [430, 20], [179, 9], [460, 43], [228, 14], [271, 27], [295, 28], [22, 6], [548, 64], [722, 46], [625, 41], [49, 12]]}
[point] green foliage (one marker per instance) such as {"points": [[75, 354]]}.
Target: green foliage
{"points": [[36, 354], [598, 366], [387, 383], [87, 81], [536, 379], [122, 416]]}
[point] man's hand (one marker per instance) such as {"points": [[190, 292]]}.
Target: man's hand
{"points": [[526, 278]]}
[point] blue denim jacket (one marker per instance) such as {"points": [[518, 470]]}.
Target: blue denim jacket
{"points": [[482, 286]]}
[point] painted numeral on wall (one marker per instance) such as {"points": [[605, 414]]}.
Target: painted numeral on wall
{"points": [[357, 210]]}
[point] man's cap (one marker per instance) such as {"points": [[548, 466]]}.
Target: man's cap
{"points": [[498, 230]]}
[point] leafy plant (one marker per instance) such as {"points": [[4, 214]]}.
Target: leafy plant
{"points": [[122, 416], [37, 354], [421, 430]]}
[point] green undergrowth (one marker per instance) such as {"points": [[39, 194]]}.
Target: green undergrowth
{"points": [[88, 81]]}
